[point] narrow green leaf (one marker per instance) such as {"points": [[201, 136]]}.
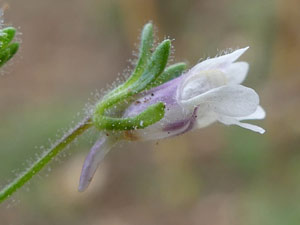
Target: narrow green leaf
{"points": [[145, 53], [6, 36], [170, 73], [4, 55], [13, 48], [155, 67], [144, 56], [8, 52]]}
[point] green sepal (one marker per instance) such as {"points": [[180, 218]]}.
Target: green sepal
{"points": [[146, 72], [155, 67], [170, 73], [13, 48], [6, 36], [7, 53], [144, 56], [151, 115]]}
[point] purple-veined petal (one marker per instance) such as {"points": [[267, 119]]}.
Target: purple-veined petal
{"points": [[93, 159]]}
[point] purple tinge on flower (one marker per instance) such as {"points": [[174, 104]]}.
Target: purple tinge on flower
{"points": [[207, 93], [93, 159]]}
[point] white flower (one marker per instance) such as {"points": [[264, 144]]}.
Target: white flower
{"points": [[207, 93], [213, 87]]}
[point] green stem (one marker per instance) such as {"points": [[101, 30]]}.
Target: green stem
{"points": [[45, 159]]}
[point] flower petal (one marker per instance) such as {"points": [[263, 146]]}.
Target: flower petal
{"points": [[199, 83], [236, 72], [259, 114], [221, 61], [229, 100], [205, 116], [93, 159], [233, 121]]}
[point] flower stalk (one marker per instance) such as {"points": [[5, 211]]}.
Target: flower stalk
{"points": [[44, 159]]}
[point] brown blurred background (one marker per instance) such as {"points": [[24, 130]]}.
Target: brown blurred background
{"points": [[218, 175]]}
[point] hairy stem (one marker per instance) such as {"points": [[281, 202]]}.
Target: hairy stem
{"points": [[44, 159]]}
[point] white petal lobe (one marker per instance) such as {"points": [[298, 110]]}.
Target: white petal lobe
{"points": [[230, 100], [259, 114], [236, 72], [221, 61], [251, 127], [234, 121], [198, 83]]}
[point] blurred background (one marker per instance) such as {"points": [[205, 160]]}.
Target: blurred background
{"points": [[71, 50]]}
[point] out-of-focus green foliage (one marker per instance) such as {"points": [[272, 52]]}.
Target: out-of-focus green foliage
{"points": [[7, 48]]}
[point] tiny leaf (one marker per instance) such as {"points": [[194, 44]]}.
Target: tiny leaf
{"points": [[170, 73], [144, 56], [155, 67], [6, 36], [8, 52]]}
